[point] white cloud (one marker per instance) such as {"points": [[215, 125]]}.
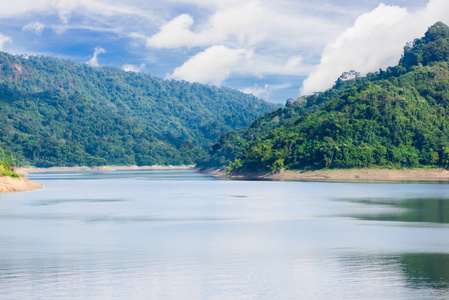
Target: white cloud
{"points": [[4, 39], [94, 60], [133, 68], [213, 65], [36, 27], [294, 63], [257, 38], [65, 8], [245, 24], [376, 40], [174, 34], [264, 64], [260, 92], [265, 91], [217, 63]]}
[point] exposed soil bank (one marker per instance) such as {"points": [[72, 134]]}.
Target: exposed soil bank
{"points": [[366, 175], [9, 184]]}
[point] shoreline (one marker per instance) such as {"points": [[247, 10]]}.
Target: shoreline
{"points": [[9, 184], [351, 175], [27, 170], [23, 184]]}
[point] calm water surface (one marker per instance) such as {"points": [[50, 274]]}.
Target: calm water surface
{"points": [[181, 235]]}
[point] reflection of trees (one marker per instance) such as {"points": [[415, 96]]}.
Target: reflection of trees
{"points": [[426, 270], [433, 210], [425, 210]]}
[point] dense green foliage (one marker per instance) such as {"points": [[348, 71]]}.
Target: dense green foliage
{"points": [[394, 118], [62, 113], [6, 161], [231, 144], [433, 47]]}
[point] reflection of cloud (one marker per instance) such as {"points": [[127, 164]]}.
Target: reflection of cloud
{"points": [[36, 27], [4, 39], [133, 68], [94, 60], [376, 40]]}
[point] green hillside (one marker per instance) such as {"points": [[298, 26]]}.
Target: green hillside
{"points": [[394, 118], [6, 160], [62, 113]]}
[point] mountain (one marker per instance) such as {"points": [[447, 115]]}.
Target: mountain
{"points": [[62, 113], [394, 118]]}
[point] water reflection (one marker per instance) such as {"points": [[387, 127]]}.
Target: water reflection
{"points": [[422, 210], [181, 235], [159, 175], [426, 270], [425, 275]]}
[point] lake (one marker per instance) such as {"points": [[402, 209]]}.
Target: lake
{"points": [[181, 235]]}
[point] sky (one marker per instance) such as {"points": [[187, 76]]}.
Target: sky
{"points": [[274, 50]]}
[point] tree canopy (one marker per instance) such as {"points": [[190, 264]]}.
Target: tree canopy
{"points": [[62, 113]]}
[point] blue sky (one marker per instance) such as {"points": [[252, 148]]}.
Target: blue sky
{"points": [[273, 49]]}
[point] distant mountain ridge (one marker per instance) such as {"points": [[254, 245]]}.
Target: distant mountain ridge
{"points": [[62, 113], [393, 118]]}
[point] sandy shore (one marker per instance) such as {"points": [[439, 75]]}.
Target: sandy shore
{"points": [[8, 184], [362, 175], [25, 171]]}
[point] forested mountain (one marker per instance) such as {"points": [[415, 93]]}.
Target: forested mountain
{"points": [[62, 113], [393, 118]]}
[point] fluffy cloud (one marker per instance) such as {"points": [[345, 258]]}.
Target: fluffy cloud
{"points": [[376, 40], [174, 34], [255, 40], [245, 24], [213, 65], [133, 68], [94, 60], [4, 39], [36, 27]]}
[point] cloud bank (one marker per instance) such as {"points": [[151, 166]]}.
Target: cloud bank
{"points": [[251, 38], [376, 40], [260, 46]]}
